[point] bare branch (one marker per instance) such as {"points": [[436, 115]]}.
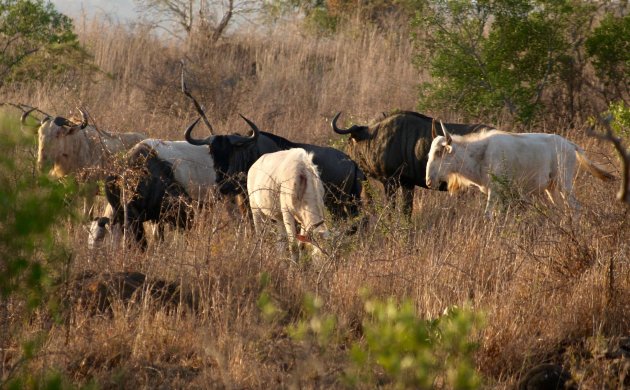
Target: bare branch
{"points": [[624, 155], [198, 107]]}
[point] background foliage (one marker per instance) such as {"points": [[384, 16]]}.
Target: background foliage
{"points": [[36, 41]]}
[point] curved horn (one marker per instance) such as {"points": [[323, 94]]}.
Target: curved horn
{"points": [[446, 134], [239, 139], [198, 107], [337, 130], [46, 118], [193, 141], [433, 132], [84, 118], [25, 114]]}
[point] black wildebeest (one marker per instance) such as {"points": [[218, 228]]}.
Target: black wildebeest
{"points": [[394, 150], [163, 178]]}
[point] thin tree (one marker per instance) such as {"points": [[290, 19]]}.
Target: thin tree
{"points": [[211, 17]]}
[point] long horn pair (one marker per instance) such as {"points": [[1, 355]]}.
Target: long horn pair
{"points": [[234, 138], [26, 111], [193, 141], [198, 107], [239, 139], [337, 130]]}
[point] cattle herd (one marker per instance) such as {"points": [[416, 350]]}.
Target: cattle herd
{"points": [[291, 183]]}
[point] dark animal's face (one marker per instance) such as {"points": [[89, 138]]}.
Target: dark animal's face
{"points": [[233, 155], [358, 145], [232, 161]]}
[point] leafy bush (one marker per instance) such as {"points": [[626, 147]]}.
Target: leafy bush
{"points": [[30, 256], [36, 41], [609, 46], [488, 57], [417, 353], [620, 112]]}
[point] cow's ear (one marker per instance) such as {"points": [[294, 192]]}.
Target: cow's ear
{"points": [[448, 148], [446, 134]]}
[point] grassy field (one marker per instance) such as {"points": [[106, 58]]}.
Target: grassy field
{"points": [[551, 287]]}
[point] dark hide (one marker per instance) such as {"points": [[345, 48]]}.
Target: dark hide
{"points": [[153, 194], [341, 176], [395, 151]]}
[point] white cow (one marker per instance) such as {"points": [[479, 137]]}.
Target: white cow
{"points": [[534, 163], [285, 186], [72, 147]]}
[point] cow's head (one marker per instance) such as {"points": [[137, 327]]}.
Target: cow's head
{"points": [[98, 232], [441, 158], [233, 155], [357, 133], [57, 143]]}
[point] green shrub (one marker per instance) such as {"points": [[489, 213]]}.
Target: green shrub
{"points": [[609, 47], [417, 353], [30, 255], [491, 57]]}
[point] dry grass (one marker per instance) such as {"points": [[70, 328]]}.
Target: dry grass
{"points": [[541, 277]]}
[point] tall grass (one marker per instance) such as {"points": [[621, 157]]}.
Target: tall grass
{"points": [[553, 286]]}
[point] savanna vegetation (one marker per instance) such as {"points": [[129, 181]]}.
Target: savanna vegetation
{"points": [[447, 299]]}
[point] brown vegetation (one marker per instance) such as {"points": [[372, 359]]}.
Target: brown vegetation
{"points": [[553, 288]]}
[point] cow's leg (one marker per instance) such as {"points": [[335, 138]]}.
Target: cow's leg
{"points": [[566, 183], [117, 234], [257, 219], [492, 200], [290, 230], [133, 224], [391, 186], [158, 231], [407, 199], [136, 228]]}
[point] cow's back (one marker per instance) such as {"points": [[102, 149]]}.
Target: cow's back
{"points": [[273, 179], [530, 159], [192, 166], [262, 185]]}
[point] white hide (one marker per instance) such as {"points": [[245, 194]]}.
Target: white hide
{"points": [[70, 150], [193, 166], [285, 186], [534, 163]]}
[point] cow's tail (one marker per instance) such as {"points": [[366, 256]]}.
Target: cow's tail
{"points": [[591, 166]]}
